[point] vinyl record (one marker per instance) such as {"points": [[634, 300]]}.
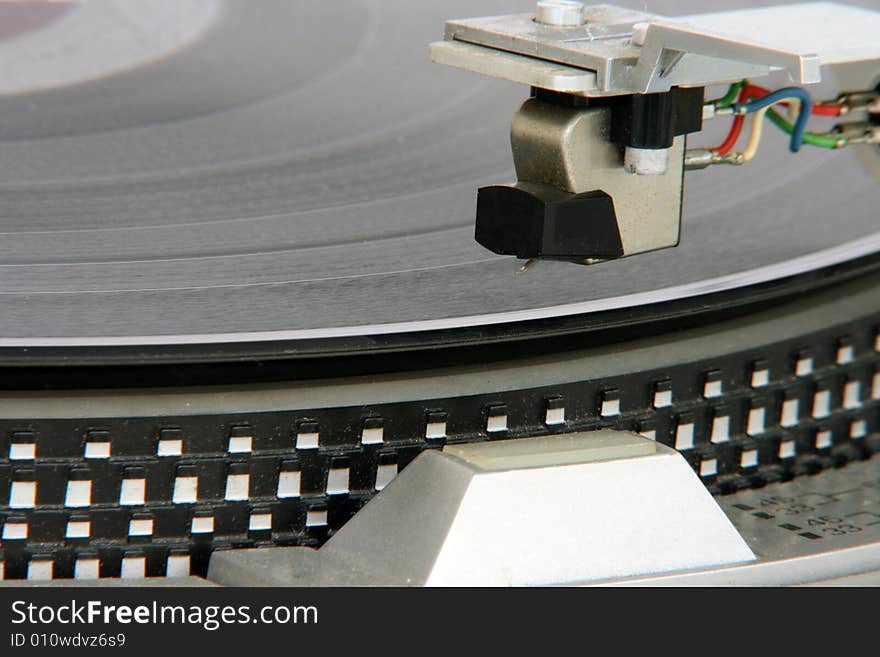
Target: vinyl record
{"points": [[279, 172]]}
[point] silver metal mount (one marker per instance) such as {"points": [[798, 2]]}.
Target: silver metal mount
{"points": [[622, 51]]}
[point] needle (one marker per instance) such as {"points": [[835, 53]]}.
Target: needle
{"points": [[528, 265]]}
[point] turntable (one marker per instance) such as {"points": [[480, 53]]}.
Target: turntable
{"points": [[242, 295]]}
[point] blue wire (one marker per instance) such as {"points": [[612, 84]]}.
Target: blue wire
{"points": [[800, 126]]}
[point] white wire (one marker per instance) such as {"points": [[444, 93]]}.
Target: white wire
{"points": [[758, 127], [755, 135]]}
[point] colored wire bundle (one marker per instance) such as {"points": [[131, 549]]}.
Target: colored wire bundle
{"points": [[774, 97], [758, 100]]}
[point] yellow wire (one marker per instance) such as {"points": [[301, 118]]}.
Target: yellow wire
{"points": [[755, 135]]}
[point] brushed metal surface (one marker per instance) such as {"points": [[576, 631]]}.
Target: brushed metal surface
{"points": [[297, 172]]}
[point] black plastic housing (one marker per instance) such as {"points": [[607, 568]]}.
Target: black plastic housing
{"points": [[649, 121], [539, 221], [655, 120]]}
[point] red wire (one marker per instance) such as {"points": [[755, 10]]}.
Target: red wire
{"points": [[754, 91], [732, 136], [827, 110]]}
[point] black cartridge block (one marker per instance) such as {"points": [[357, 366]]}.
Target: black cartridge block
{"points": [[540, 221]]}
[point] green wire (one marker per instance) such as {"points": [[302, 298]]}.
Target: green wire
{"points": [[727, 99], [822, 141]]}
